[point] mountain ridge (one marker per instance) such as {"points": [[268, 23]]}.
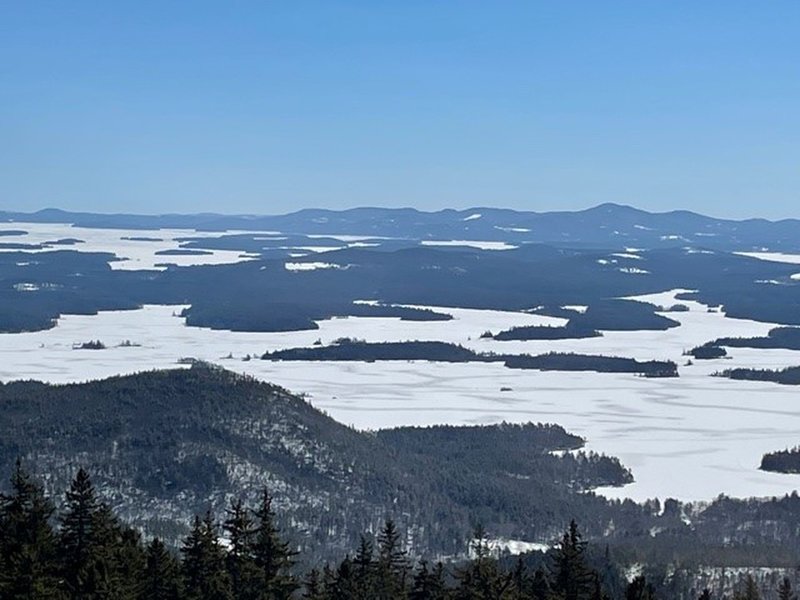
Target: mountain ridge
{"points": [[607, 225], [53, 212]]}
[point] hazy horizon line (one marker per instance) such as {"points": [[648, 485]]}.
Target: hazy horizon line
{"points": [[588, 208]]}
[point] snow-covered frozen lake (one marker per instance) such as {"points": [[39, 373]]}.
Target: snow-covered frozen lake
{"points": [[691, 438], [136, 249], [143, 249]]}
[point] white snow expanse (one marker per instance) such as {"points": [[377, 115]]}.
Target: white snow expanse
{"points": [[691, 438], [311, 266], [470, 243], [133, 253], [136, 249], [773, 256]]}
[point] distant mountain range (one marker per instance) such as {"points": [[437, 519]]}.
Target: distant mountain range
{"points": [[606, 226]]}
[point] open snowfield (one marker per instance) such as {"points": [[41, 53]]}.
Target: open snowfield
{"points": [[135, 248], [691, 438], [470, 243], [774, 257]]}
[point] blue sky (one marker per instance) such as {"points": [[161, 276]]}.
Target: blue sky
{"points": [[267, 107]]}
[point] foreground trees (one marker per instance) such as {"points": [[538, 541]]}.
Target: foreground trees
{"points": [[86, 553], [28, 560]]}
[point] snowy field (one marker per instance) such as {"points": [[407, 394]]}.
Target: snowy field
{"points": [[137, 249], [470, 244], [691, 438]]}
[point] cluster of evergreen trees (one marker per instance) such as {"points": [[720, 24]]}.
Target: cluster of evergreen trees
{"points": [[86, 553], [787, 376], [782, 461]]}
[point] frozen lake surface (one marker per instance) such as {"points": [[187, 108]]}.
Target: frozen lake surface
{"points": [[143, 249], [691, 438], [136, 248]]}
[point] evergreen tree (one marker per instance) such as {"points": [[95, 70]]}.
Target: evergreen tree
{"points": [[438, 583], [749, 590], [161, 575], [392, 564], [344, 582], [328, 582], [117, 559], [598, 590], [520, 581], [272, 556], [204, 573], [571, 577], [313, 586], [785, 590], [86, 565], [27, 542], [482, 579], [429, 584], [540, 586], [364, 569], [419, 588], [131, 560], [240, 560], [639, 589], [77, 534]]}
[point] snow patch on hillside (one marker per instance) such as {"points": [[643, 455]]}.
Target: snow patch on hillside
{"points": [[579, 308], [481, 245], [627, 255], [312, 266], [773, 257], [513, 229]]}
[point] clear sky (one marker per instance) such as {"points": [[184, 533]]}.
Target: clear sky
{"points": [[267, 107]]}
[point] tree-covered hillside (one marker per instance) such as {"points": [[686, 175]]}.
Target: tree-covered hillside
{"points": [[83, 551], [165, 445]]}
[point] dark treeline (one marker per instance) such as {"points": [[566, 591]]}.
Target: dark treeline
{"points": [[249, 315], [603, 364], [404, 313], [545, 332], [783, 461], [346, 349], [708, 351], [85, 552], [622, 315], [787, 338], [351, 349], [788, 376]]}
